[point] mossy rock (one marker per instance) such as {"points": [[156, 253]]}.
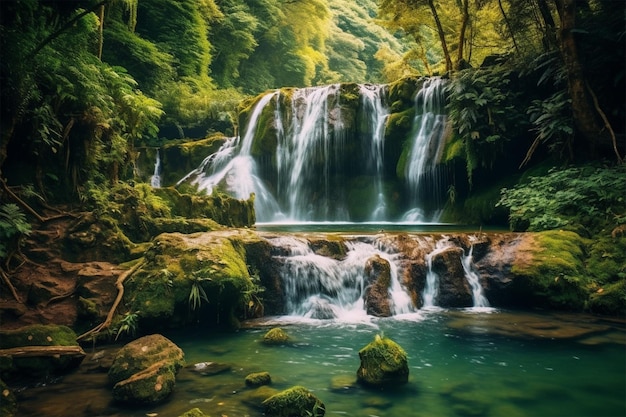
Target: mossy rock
{"points": [[383, 364], [257, 379], [143, 353], [276, 336], [144, 371], [39, 335], [178, 158], [549, 269], [8, 402], [296, 401], [194, 412], [179, 264]]}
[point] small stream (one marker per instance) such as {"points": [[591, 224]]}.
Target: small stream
{"points": [[462, 363]]}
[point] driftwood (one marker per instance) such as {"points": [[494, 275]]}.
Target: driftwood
{"points": [[33, 351], [120, 294]]}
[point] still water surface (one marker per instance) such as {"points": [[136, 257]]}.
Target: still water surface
{"points": [[462, 363]]}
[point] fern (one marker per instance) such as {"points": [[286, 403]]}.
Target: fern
{"points": [[13, 225]]}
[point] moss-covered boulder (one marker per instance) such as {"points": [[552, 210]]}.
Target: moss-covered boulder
{"points": [[383, 364], [257, 379], [144, 370], [40, 359], [201, 276], [276, 336], [296, 401], [549, 269], [8, 402]]}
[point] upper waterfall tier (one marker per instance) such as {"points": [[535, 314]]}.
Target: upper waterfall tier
{"points": [[341, 152]]}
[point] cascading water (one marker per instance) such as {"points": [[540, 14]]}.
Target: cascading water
{"points": [[233, 168], [474, 280], [155, 180], [321, 287], [431, 289], [376, 114], [423, 178], [315, 134], [328, 161]]}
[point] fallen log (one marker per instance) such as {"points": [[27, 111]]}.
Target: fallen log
{"points": [[34, 351]]}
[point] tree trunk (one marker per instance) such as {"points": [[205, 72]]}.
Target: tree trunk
{"points": [[582, 109], [464, 23], [442, 36]]}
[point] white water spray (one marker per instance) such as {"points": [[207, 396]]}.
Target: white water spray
{"points": [[155, 180]]}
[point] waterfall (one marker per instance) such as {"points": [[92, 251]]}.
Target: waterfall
{"points": [[155, 180], [376, 113], [234, 169], [473, 279], [321, 287], [315, 134], [431, 289], [326, 159], [423, 180]]}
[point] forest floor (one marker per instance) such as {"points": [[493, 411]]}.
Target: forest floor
{"points": [[49, 287]]}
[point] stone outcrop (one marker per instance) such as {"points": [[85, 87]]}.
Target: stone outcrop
{"points": [[144, 371], [454, 291], [276, 336], [257, 379], [383, 364], [294, 402], [378, 277]]}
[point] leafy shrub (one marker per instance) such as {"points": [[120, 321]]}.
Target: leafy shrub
{"points": [[13, 226], [589, 196]]}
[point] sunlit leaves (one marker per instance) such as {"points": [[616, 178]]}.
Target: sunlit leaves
{"points": [[589, 196]]}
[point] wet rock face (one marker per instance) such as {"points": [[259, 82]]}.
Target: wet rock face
{"points": [[376, 297], [144, 371], [294, 402], [454, 291]]}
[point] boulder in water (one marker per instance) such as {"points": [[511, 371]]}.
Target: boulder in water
{"points": [[296, 401], [383, 363], [144, 371], [276, 336], [376, 297], [257, 379]]}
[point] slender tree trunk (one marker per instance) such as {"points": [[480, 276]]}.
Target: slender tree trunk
{"points": [[464, 23], [582, 109], [442, 36], [101, 33], [508, 25], [550, 27]]}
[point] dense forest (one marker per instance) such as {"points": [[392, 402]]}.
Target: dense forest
{"points": [[535, 100]]}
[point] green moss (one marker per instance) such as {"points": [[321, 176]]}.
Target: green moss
{"points": [[194, 412], [8, 402], [609, 299], [276, 336], [454, 148], [383, 362], [216, 262], [553, 264], [38, 335], [296, 401], [258, 378]]}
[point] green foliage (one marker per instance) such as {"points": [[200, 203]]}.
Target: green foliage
{"points": [[13, 225], [485, 113], [197, 293], [591, 196], [128, 324]]}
